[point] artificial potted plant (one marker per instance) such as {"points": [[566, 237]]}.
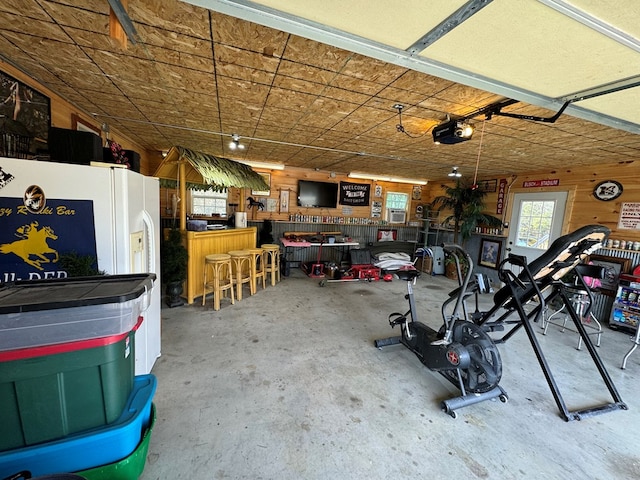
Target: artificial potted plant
{"points": [[173, 258], [450, 269], [466, 203]]}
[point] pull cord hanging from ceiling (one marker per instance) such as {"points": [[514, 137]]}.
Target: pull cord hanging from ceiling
{"points": [[475, 175]]}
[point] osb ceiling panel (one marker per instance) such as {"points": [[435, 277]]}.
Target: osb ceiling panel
{"points": [[196, 76]]}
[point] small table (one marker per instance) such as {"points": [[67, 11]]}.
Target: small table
{"points": [[290, 245]]}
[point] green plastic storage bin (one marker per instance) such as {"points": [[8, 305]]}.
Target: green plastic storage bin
{"points": [[129, 468], [49, 392]]}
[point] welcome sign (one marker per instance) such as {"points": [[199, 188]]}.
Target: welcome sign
{"points": [[355, 194], [33, 239]]}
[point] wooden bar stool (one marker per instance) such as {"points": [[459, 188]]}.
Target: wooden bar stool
{"points": [[272, 263], [221, 279], [241, 260], [258, 270]]}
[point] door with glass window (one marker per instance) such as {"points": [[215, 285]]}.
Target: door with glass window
{"points": [[536, 221]]}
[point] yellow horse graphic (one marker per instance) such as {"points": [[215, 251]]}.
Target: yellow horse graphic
{"points": [[32, 246]]}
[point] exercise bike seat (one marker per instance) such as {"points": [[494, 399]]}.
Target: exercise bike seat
{"points": [[408, 273]]}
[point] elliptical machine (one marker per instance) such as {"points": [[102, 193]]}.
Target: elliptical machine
{"points": [[461, 350]]}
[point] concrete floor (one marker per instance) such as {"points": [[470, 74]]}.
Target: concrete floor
{"points": [[288, 385]]}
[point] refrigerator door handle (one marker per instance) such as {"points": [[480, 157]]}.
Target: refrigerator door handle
{"points": [[151, 243]]}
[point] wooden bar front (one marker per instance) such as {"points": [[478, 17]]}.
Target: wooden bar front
{"points": [[201, 244]]}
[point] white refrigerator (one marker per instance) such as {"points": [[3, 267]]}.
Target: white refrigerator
{"points": [[76, 204]]}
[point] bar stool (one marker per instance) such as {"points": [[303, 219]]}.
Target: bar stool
{"points": [[272, 263], [241, 260], [581, 299], [258, 270], [221, 279]]}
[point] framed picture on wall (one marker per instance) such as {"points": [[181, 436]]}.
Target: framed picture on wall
{"points": [[267, 180], [80, 125], [489, 253], [284, 201], [613, 267], [24, 108]]}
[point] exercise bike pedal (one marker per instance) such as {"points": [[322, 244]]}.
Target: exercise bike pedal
{"points": [[397, 318]]}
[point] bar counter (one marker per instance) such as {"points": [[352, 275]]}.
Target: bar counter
{"points": [[201, 244]]}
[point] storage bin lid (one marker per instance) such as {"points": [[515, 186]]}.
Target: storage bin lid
{"points": [[36, 295]]}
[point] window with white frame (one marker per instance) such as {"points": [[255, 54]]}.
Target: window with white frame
{"points": [[398, 201], [208, 202], [395, 201]]}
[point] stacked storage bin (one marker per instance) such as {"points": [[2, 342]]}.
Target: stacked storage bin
{"points": [[69, 399]]}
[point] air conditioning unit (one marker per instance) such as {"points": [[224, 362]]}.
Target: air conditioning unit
{"points": [[397, 216]]}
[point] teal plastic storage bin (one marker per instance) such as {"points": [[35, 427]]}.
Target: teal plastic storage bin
{"points": [[91, 448]]}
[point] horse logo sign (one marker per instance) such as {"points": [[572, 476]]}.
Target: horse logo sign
{"points": [[32, 247], [38, 230]]}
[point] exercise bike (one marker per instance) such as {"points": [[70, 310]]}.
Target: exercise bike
{"points": [[461, 350]]}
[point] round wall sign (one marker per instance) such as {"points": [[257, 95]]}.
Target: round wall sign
{"points": [[607, 190]]}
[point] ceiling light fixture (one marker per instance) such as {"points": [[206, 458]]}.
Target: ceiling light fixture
{"points": [[386, 178], [235, 144], [265, 165], [452, 131], [454, 173]]}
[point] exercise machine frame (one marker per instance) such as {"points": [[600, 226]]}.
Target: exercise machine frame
{"points": [[461, 351], [538, 283]]}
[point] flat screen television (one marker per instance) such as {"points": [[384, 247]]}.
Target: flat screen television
{"points": [[317, 194]]}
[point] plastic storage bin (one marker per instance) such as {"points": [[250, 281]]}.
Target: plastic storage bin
{"points": [[46, 312], [129, 468], [52, 391], [96, 447]]}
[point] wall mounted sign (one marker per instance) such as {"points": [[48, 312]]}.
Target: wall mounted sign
{"points": [[629, 216], [356, 194], [488, 185], [502, 191], [607, 190], [37, 230], [376, 209], [551, 182]]}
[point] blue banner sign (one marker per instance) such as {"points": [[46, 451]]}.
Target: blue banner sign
{"points": [[36, 232]]}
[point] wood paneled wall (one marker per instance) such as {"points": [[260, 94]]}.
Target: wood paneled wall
{"points": [[287, 179], [582, 206], [61, 117]]}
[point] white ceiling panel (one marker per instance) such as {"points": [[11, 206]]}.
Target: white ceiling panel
{"points": [[397, 24], [624, 105], [531, 46]]}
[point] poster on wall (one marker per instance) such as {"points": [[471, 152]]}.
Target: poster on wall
{"points": [[376, 209], [355, 194], [21, 107], [629, 216], [37, 232]]}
